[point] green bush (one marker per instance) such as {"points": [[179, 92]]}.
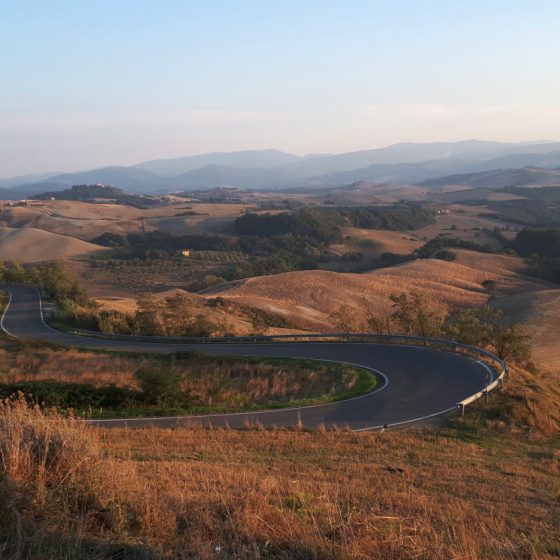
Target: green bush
{"points": [[70, 395], [160, 385], [445, 255]]}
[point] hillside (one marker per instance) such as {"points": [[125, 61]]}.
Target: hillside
{"points": [[29, 245], [372, 243], [86, 221], [466, 222], [541, 312], [248, 159], [363, 192], [307, 298], [427, 170], [500, 178], [98, 192], [469, 195]]}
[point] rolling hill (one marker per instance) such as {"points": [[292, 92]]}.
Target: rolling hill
{"points": [[540, 310], [28, 245], [307, 298]]}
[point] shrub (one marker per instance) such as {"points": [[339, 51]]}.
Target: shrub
{"points": [[69, 395], [445, 255], [159, 385]]}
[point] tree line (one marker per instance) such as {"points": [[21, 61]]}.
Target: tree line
{"points": [[414, 314]]}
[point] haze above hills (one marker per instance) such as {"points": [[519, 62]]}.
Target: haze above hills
{"points": [[405, 163]]}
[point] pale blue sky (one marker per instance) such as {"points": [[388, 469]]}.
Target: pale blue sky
{"points": [[88, 83]]}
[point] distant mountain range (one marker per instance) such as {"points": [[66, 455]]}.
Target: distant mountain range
{"points": [[500, 178], [407, 163]]}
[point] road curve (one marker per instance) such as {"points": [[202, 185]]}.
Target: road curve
{"points": [[417, 383]]}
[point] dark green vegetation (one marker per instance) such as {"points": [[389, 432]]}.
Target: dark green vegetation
{"points": [[442, 242], [325, 223], [159, 244], [266, 243], [187, 383], [541, 248], [97, 193], [53, 277], [540, 207]]}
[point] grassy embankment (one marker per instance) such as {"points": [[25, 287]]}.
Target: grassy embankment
{"points": [[108, 384]]}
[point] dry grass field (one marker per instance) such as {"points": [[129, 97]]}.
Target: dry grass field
{"points": [[28, 245], [307, 298], [541, 312], [78, 219], [465, 222], [487, 488], [85, 221], [210, 383], [372, 243], [210, 218]]}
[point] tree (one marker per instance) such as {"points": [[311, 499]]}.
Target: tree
{"points": [[511, 342], [445, 255], [203, 326], [61, 284], [148, 316], [485, 326], [417, 315], [344, 319], [177, 315], [12, 271], [468, 326], [378, 323]]}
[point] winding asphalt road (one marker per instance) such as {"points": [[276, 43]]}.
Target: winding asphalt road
{"points": [[415, 383]]}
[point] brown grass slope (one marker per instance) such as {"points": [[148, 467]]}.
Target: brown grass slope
{"points": [[307, 298], [372, 243], [466, 492], [541, 312], [29, 245], [85, 220]]}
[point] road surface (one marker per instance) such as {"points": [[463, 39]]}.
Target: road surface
{"points": [[415, 383]]}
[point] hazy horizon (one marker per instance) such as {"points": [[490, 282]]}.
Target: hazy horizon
{"points": [[86, 85], [300, 155]]}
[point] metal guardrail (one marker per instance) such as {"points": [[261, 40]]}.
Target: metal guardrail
{"points": [[497, 373]]}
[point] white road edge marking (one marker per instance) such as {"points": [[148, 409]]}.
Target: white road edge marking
{"points": [[4, 314]]}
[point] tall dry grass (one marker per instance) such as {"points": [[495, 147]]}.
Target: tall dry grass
{"points": [[54, 478], [69, 491], [209, 381]]}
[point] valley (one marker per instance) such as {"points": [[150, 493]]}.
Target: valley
{"points": [[459, 257]]}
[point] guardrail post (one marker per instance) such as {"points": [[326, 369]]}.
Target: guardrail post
{"points": [[462, 410]]}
